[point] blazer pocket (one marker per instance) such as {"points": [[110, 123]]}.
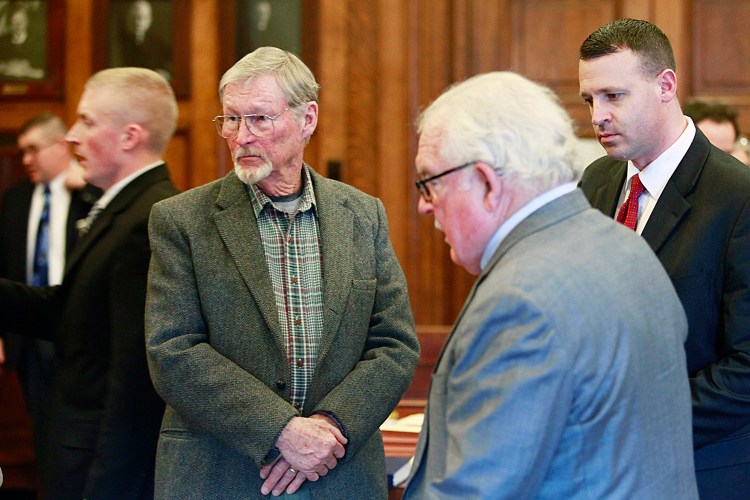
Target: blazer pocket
{"points": [[365, 285], [690, 282]]}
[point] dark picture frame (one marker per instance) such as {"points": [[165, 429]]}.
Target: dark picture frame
{"points": [[32, 49], [147, 33], [249, 24]]}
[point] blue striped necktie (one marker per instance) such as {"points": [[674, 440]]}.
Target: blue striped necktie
{"points": [[40, 276]]}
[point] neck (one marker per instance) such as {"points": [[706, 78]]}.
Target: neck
{"points": [[283, 183]]}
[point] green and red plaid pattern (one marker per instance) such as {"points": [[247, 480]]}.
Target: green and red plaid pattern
{"points": [[292, 247]]}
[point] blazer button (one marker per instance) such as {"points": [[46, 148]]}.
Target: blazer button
{"points": [[280, 385]]}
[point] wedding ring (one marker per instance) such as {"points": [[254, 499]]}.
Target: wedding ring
{"points": [[292, 470]]}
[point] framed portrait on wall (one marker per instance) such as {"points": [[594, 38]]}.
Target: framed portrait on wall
{"points": [[146, 33], [249, 24], [31, 48]]}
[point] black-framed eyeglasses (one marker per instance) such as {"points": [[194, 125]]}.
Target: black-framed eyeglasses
{"points": [[260, 125], [424, 189]]}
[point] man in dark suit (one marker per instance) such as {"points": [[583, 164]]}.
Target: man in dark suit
{"points": [[104, 414], [39, 209], [691, 202]]}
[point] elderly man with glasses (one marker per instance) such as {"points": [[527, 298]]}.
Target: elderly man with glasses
{"points": [[553, 383], [279, 328]]}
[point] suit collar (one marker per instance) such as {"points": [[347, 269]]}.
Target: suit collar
{"points": [[119, 204], [238, 228], [561, 208], [607, 195], [673, 205]]}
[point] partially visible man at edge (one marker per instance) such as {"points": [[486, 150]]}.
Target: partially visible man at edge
{"points": [[104, 414], [691, 203]]}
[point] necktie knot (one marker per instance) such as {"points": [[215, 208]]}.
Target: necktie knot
{"points": [[84, 225], [628, 214]]}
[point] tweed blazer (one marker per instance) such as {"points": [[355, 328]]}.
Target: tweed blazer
{"points": [[218, 358], [548, 386], [700, 231]]}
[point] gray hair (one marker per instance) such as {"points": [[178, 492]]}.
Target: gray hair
{"points": [[294, 77], [509, 122], [146, 98]]}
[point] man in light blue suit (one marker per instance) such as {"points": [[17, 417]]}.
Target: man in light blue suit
{"points": [[563, 376]]}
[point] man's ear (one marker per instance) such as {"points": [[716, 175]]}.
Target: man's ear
{"points": [[132, 135], [492, 183], [310, 119], [668, 85]]}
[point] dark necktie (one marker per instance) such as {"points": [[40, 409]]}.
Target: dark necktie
{"points": [[40, 275], [628, 213]]}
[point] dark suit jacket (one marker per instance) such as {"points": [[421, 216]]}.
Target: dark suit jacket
{"points": [[700, 230], [104, 410], [14, 216]]}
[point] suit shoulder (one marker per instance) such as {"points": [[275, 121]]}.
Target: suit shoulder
{"points": [[192, 197], [600, 168]]}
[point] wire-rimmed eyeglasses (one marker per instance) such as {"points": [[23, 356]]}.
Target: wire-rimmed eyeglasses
{"points": [[424, 189], [260, 125]]}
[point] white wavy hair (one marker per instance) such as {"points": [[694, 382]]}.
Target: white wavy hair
{"points": [[509, 122]]}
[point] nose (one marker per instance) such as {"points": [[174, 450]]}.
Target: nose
{"points": [[599, 114], [244, 136], [70, 137], [26, 158], [424, 207]]}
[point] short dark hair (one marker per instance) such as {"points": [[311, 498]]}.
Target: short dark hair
{"points": [[717, 112], [44, 119], [642, 37]]}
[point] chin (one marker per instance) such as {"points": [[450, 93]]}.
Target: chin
{"points": [[252, 175]]}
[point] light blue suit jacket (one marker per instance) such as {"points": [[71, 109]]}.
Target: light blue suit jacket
{"points": [[564, 376]]}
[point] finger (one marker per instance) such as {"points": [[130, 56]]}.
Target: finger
{"points": [[296, 483], [339, 450], [331, 463], [312, 476], [274, 476], [322, 470], [285, 480], [266, 469], [338, 434]]}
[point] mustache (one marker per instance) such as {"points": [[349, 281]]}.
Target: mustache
{"points": [[249, 152]]}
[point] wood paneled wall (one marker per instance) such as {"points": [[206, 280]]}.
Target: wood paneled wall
{"points": [[380, 61]]}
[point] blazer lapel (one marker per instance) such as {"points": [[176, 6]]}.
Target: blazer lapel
{"points": [[336, 224], [672, 205], [238, 228], [608, 194]]}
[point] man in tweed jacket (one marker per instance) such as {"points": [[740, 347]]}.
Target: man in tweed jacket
{"points": [[278, 323]]}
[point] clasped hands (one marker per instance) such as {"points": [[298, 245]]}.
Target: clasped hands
{"points": [[309, 448]]}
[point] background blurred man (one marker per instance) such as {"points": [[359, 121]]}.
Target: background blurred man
{"points": [[37, 231]]}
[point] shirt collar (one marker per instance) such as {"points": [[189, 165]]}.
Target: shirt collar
{"points": [[113, 191], [656, 174], [523, 212]]}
